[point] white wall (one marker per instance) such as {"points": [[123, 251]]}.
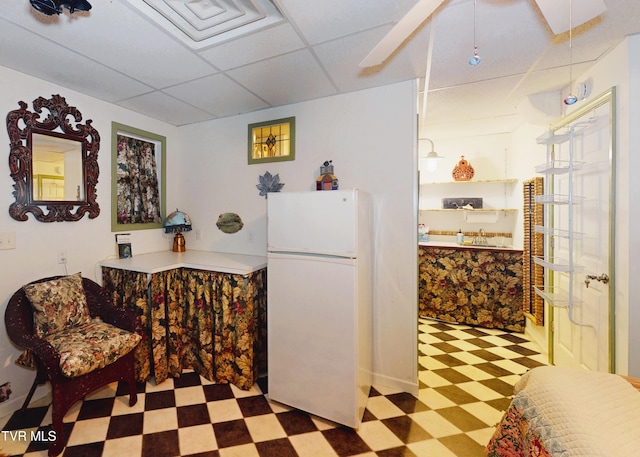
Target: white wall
{"points": [[86, 241], [370, 137], [628, 249]]}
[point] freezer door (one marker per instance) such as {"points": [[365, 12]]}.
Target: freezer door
{"points": [[314, 355], [316, 222]]}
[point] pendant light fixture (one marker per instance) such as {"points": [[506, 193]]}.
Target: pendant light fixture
{"points": [[431, 158], [51, 7], [475, 59], [571, 99]]}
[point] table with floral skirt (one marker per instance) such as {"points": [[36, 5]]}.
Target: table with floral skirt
{"points": [[480, 286], [200, 310]]}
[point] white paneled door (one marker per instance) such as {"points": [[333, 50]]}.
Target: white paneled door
{"points": [[581, 335]]}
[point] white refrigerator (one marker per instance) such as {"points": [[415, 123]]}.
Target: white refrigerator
{"points": [[319, 293]]}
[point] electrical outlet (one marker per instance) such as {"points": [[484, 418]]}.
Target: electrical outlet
{"points": [[62, 256], [7, 240]]}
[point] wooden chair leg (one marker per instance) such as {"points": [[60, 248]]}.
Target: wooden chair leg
{"points": [[131, 380], [30, 394], [56, 447], [36, 382]]}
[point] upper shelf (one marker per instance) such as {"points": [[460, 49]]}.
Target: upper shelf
{"points": [[563, 135], [477, 210], [488, 181], [558, 167]]}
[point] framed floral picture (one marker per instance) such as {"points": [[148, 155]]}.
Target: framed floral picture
{"points": [[138, 171]]}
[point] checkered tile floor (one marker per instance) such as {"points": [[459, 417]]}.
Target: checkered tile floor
{"points": [[466, 378]]}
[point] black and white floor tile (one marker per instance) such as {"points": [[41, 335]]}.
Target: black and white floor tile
{"points": [[466, 381]]}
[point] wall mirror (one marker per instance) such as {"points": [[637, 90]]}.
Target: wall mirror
{"points": [[54, 162]]}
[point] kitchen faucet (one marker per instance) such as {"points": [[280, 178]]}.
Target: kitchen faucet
{"points": [[480, 238]]}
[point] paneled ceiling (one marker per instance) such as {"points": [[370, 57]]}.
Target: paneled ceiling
{"points": [[180, 62]]}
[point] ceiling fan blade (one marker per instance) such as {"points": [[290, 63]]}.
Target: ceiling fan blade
{"points": [[556, 12], [405, 27]]}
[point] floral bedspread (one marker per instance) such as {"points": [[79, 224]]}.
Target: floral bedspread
{"points": [[515, 437], [562, 412]]}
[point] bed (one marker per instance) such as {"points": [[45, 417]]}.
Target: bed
{"points": [[568, 412]]}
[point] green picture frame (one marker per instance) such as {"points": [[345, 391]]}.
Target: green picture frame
{"points": [[272, 141], [121, 213]]}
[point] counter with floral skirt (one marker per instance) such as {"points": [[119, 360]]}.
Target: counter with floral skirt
{"points": [[480, 287], [207, 314]]}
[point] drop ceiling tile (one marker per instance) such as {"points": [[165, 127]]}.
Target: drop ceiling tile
{"points": [[584, 48], [472, 101], [217, 95], [502, 48], [285, 79], [166, 108], [116, 36], [341, 59], [31, 54], [254, 47], [320, 21]]}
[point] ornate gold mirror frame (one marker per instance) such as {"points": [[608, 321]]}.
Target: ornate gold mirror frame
{"points": [[59, 134]]}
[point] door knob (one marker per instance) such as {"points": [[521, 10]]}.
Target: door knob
{"points": [[603, 278]]}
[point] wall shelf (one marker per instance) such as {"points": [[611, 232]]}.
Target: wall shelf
{"points": [[487, 181], [463, 211], [560, 298], [558, 167], [467, 183], [558, 199], [557, 264], [553, 231]]}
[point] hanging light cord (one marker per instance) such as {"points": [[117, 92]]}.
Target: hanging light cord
{"points": [[475, 48], [475, 59], [571, 99], [570, 45]]}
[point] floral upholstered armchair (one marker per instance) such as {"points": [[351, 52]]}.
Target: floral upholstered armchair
{"points": [[75, 338]]}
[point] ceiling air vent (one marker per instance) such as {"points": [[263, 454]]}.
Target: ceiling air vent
{"points": [[202, 23]]}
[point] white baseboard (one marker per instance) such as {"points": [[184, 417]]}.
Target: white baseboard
{"points": [[394, 383], [12, 405]]}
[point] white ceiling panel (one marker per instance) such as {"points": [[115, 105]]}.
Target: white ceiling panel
{"points": [[217, 95], [116, 52], [28, 53], [501, 48], [117, 38], [291, 78], [320, 21], [251, 48], [341, 58], [166, 108]]}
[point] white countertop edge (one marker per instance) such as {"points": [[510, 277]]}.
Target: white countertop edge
{"points": [[453, 244], [155, 262]]}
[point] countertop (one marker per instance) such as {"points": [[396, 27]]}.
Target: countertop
{"points": [[454, 245], [222, 262]]}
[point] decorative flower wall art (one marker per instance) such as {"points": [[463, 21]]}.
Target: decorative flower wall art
{"points": [[269, 183]]}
